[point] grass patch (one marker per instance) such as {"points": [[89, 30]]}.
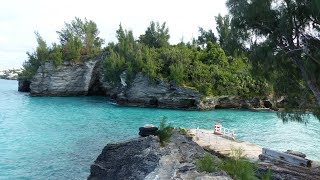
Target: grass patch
{"points": [[207, 164], [165, 131]]}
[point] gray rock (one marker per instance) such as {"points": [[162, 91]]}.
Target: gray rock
{"points": [[133, 159], [145, 92], [66, 80], [296, 153], [143, 158], [69, 79]]}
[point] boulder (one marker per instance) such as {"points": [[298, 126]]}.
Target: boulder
{"points": [[133, 159], [148, 130]]}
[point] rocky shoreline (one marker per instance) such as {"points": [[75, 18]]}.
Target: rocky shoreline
{"points": [[144, 158], [88, 79]]}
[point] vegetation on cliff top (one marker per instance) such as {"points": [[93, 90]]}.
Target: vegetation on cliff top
{"points": [[78, 41], [202, 64], [261, 48]]}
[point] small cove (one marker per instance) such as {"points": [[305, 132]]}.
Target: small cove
{"points": [[60, 137]]}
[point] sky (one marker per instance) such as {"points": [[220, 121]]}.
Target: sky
{"points": [[19, 19]]}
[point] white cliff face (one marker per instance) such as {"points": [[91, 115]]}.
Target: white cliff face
{"points": [[65, 80]]}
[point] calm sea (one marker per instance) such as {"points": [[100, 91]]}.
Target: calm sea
{"points": [[60, 137]]}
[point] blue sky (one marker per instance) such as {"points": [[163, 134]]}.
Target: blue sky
{"points": [[20, 19]]}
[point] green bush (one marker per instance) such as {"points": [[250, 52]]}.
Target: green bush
{"points": [[238, 167], [165, 131], [183, 131], [267, 175], [207, 164]]}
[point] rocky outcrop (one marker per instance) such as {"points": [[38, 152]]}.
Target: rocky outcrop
{"points": [[88, 79], [67, 80], [144, 158], [233, 102], [144, 92]]}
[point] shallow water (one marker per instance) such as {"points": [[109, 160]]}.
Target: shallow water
{"points": [[60, 137]]}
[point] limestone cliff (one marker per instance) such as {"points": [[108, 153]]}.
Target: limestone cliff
{"points": [[88, 79]]}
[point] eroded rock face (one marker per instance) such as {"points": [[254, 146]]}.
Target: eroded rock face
{"points": [[234, 102], [145, 92], [66, 80], [143, 158]]}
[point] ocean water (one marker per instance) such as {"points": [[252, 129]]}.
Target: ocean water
{"points": [[60, 137]]}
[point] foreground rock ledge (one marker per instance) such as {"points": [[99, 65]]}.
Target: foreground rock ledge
{"points": [[143, 158]]}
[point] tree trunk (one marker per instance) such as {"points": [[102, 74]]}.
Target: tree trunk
{"points": [[310, 80]]}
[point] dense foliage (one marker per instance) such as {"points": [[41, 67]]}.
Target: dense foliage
{"points": [[203, 64], [78, 41], [207, 164], [287, 37]]}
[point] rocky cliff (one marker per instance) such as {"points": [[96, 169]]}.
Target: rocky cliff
{"points": [[66, 80], [89, 79], [144, 158]]}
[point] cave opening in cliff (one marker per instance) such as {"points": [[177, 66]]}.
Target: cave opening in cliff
{"points": [[96, 88]]}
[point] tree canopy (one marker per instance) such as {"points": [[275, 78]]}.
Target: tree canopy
{"points": [[78, 41]]}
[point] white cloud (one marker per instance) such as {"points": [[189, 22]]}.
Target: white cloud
{"points": [[19, 20]]}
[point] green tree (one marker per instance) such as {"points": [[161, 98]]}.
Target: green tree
{"points": [[291, 27], [205, 37], [84, 32], [72, 49], [55, 54], [42, 51], [156, 35], [229, 38]]}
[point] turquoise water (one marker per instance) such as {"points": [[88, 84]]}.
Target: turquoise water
{"points": [[60, 137]]}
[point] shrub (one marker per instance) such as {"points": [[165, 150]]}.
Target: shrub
{"points": [[238, 167], [267, 175], [183, 131], [165, 131], [207, 164]]}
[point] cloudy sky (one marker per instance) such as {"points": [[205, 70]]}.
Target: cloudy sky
{"points": [[20, 19]]}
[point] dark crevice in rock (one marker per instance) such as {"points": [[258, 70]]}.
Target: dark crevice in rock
{"points": [[96, 88], [24, 86], [154, 102]]}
